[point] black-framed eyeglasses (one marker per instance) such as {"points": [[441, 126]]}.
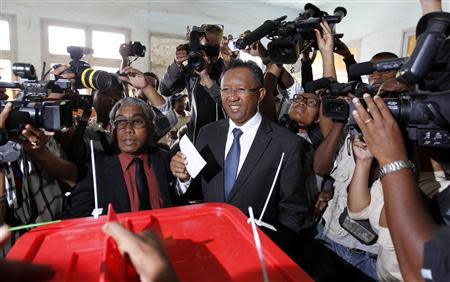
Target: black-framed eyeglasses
{"points": [[136, 123], [310, 102], [239, 91]]}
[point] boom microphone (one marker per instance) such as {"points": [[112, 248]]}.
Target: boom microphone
{"points": [[370, 67]]}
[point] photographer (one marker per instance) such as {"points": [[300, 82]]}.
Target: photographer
{"points": [[419, 242], [203, 86], [33, 192]]}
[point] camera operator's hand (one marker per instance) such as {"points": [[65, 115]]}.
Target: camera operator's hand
{"points": [[321, 203], [134, 77], [257, 49], [360, 150], [18, 271], [36, 139], [62, 71], [124, 50], [146, 253], [325, 39], [381, 132], [5, 114], [181, 55], [178, 167], [341, 49]]}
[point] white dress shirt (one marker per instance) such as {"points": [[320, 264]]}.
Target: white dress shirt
{"points": [[249, 130]]}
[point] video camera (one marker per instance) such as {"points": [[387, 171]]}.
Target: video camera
{"points": [[30, 107], [425, 115], [196, 51], [290, 38]]}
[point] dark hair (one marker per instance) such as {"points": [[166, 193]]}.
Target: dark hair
{"points": [[146, 110], [212, 28], [384, 55], [250, 65], [152, 74]]}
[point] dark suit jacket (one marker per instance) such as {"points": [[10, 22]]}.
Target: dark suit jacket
{"points": [[288, 201], [111, 187]]}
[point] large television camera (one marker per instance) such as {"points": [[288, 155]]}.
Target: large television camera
{"points": [[424, 114], [32, 106], [290, 38]]}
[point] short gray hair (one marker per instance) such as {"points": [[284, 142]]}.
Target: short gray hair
{"points": [[146, 110]]}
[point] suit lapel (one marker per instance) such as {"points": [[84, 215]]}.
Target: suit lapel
{"points": [[161, 177], [115, 184], [257, 149], [218, 148]]}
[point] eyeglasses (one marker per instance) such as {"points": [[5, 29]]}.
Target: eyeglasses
{"points": [[239, 91], [137, 123], [310, 102]]}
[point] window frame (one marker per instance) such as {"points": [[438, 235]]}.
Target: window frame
{"points": [[11, 54], [49, 58]]}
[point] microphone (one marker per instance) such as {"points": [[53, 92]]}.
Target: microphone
{"points": [[370, 67], [265, 29]]}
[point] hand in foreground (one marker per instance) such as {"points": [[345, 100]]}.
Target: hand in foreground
{"points": [[181, 55], [321, 204], [146, 253], [380, 130], [360, 150], [18, 271], [134, 77], [178, 167], [36, 139], [325, 39]]}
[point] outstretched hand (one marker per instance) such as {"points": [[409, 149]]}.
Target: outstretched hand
{"points": [[381, 132]]}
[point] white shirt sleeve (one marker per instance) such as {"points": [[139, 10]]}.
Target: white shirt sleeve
{"points": [[182, 187]]}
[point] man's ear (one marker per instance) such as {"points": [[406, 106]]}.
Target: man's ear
{"points": [[261, 93]]}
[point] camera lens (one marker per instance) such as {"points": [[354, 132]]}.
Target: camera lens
{"points": [[26, 71]]}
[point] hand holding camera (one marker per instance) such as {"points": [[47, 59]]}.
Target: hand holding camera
{"points": [[134, 77], [181, 54], [381, 132]]}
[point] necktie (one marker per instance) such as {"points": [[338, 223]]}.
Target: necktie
{"points": [[232, 163], [141, 185]]}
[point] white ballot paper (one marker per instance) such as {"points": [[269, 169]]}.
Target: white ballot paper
{"points": [[194, 159]]}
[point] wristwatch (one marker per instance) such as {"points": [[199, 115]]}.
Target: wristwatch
{"points": [[396, 166]]}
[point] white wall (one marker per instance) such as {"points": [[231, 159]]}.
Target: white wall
{"points": [[373, 26]]}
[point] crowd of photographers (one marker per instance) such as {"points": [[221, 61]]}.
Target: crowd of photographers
{"points": [[362, 190]]}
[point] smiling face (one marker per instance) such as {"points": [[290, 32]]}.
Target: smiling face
{"points": [[240, 94], [303, 110], [131, 137]]}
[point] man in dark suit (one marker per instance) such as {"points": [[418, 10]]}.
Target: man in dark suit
{"points": [[243, 153], [137, 178]]}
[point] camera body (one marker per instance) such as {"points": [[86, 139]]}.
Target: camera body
{"points": [[31, 108], [136, 49]]}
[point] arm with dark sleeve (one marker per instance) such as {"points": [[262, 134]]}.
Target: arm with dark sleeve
{"points": [[81, 200], [307, 73], [293, 207], [214, 93], [174, 81], [326, 152]]}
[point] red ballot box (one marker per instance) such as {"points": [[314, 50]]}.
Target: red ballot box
{"points": [[205, 242]]}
